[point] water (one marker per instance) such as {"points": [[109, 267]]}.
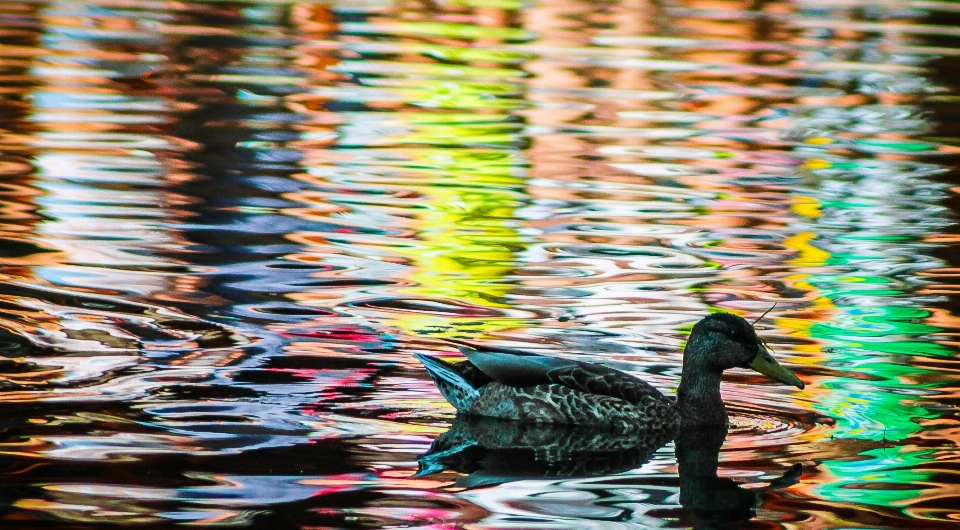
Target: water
{"points": [[225, 227]]}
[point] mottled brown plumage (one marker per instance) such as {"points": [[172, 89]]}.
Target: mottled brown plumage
{"points": [[530, 388]]}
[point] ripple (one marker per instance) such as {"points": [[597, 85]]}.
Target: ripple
{"points": [[436, 307], [539, 272], [661, 259], [751, 429], [224, 230]]}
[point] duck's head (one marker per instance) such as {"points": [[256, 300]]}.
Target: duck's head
{"points": [[722, 341]]}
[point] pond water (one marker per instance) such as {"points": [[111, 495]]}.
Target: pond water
{"points": [[226, 227]]}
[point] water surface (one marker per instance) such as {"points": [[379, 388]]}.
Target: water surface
{"points": [[225, 228]]}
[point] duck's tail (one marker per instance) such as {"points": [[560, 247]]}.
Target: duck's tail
{"points": [[457, 390]]}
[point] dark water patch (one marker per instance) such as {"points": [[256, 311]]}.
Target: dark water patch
{"points": [[294, 311], [163, 269], [187, 392], [18, 249], [14, 345], [307, 362], [448, 307], [268, 377]]}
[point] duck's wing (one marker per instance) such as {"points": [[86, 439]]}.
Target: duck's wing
{"points": [[606, 381], [511, 367], [522, 369]]}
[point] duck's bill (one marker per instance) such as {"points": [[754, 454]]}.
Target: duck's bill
{"points": [[768, 366]]}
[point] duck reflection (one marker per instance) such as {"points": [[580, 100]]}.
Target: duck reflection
{"points": [[491, 451], [494, 451], [712, 501]]}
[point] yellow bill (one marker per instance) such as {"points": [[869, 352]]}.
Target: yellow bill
{"points": [[768, 366]]}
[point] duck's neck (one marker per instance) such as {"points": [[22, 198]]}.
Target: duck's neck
{"points": [[698, 396]]}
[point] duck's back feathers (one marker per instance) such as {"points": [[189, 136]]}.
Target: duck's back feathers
{"points": [[512, 367], [521, 369]]}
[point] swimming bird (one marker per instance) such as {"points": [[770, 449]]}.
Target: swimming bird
{"points": [[527, 387]]}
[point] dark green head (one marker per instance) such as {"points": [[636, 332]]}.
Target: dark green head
{"points": [[722, 341]]}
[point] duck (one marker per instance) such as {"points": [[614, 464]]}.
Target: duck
{"points": [[528, 387]]}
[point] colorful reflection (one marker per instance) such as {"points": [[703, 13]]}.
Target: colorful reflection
{"points": [[226, 226]]}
